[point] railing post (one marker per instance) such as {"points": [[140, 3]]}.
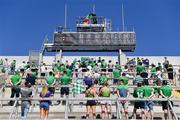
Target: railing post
{"points": [[15, 104], [66, 108], [118, 113], [2, 95], [172, 110]]}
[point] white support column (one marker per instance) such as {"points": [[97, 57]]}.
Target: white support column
{"points": [[119, 56], [59, 56]]}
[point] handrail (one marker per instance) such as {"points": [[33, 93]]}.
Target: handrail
{"points": [[67, 99], [1, 92], [13, 109], [96, 98], [172, 109], [97, 86]]}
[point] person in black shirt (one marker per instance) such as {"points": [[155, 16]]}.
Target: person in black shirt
{"points": [[170, 73], [31, 79]]}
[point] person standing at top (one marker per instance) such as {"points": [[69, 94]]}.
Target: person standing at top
{"points": [[165, 63], [170, 71], [13, 66]]}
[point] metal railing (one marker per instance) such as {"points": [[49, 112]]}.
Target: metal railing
{"points": [[14, 112]]}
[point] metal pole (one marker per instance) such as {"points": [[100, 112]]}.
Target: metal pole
{"points": [[119, 56], [60, 54], [65, 16], [119, 116], [172, 110], [2, 95], [66, 108], [14, 106], [94, 8], [122, 17]]}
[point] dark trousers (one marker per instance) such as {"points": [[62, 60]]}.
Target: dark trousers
{"points": [[14, 92]]}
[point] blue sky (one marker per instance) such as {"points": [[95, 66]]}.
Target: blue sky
{"points": [[24, 23]]}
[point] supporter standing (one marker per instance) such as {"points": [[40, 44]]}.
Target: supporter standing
{"points": [[88, 81], [78, 87], [148, 93], [50, 80], [103, 66], [105, 104], [26, 94], [31, 79], [6, 63], [139, 93], [103, 78], [15, 81], [13, 66], [96, 76], [110, 68], [122, 92], [65, 80], [91, 104], [166, 92], [165, 63], [44, 104], [170, 71], [139, 67], [116, 75], [124, 78]]}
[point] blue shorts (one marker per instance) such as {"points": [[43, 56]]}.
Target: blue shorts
{"points": [[44, 105], [149, 105]]}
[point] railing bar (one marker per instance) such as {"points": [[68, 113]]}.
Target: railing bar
{"points": [[14, 106], [172, 109]]}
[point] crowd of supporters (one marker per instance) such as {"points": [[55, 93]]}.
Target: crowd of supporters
{"points": [[85, 75]]}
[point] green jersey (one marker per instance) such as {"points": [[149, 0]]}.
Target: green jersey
{"points": [[13, 64], [117, 66], [55, 69], [123, 90], [34, 74], [139, 68], [166, 90], [125, 80], [147, 91], [65, 80], [61, 68], [138, 92], [69, 72], [116, 73], [105, 92], [15, 79], [120, 87], [104, 64], [153, 69], [102, 79], [50, 80]]}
